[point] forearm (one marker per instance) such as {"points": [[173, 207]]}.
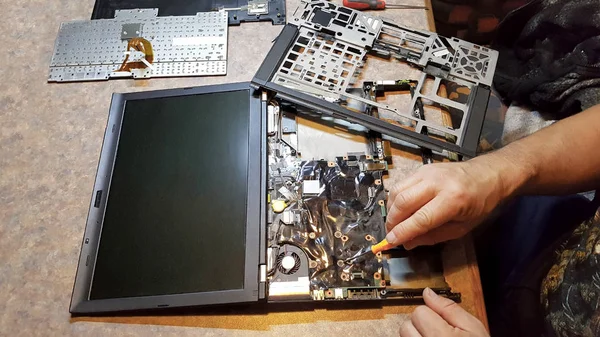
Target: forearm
{"points": [[562, 158]]}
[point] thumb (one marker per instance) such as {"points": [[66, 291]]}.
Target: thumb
{"points": [[453, 313], [446, 232], [435, 213]]}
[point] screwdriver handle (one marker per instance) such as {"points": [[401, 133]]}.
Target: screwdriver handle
{"points": [[364, 4], [381, 246]]}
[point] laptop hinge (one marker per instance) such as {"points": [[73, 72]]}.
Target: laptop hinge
{"points": [[262, 284], [262, 271]]}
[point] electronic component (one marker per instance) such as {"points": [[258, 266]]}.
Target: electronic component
{"points": [[288, 264], [287, 193], [289, 277], [311, 187], [138, 44], [336, 206], [373, 166], [278, 206], [288, 217], [375, 89], [326, 243]]}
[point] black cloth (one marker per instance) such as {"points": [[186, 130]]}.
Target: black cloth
{"points": [[472, 20], [515, 251], [550, 56]]}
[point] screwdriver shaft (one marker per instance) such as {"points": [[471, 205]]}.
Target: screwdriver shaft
{"points": [[377, 4]]}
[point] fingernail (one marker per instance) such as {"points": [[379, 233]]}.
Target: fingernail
{"points": [[430, 292], [391, 238]]}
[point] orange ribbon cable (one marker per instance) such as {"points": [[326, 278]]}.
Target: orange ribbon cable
{"points": [[141, 45]]}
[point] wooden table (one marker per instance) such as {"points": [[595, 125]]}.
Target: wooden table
{"points": [[50, 140]]}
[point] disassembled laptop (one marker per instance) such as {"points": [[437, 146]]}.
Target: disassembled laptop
{"points": [[324, 212], [321, 214]]}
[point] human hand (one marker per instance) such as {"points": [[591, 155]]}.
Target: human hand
{"points": [[458, 196], [441, 317]]}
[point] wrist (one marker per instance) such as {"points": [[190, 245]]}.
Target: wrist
{"points": [[513, 174]]}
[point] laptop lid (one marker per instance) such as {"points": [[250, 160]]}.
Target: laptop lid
{"points": [[175, 214]]}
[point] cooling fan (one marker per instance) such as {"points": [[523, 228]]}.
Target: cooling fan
{"points": [[288, 263]]}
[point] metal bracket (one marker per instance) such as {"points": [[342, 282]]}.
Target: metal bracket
{"points": [[131, 30]]}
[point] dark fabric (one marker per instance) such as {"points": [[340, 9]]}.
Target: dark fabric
{"points": [[516, 250], [472, 20], [570, 293], [550, 56]]}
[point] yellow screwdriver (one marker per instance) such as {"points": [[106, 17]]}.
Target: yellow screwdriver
{"points": [[369, 252]]}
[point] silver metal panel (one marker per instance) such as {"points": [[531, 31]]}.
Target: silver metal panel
{"points": [[134, 14], [466, 61], [320, 63], [349, 26], [335, 42], [131, 30], [475, 63], [182, 46]]}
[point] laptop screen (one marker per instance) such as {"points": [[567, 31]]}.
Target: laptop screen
{"points": [[176, 210]]}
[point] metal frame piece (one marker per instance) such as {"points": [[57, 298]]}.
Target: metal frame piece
{"points": [[181, 46], [321, 52]]}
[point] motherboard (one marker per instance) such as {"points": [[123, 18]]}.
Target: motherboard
{"points": [[322, 212]]}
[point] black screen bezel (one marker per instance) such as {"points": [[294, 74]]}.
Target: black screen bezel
{"points": [[80, 302]]}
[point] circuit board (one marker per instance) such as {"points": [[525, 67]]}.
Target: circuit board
{"points": [[321, 214]]}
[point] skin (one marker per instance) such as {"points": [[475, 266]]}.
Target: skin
{"points": [[444, 201], [441, 317]]}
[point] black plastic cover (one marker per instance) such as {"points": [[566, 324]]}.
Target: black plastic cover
{"points": [[105, 9]]}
